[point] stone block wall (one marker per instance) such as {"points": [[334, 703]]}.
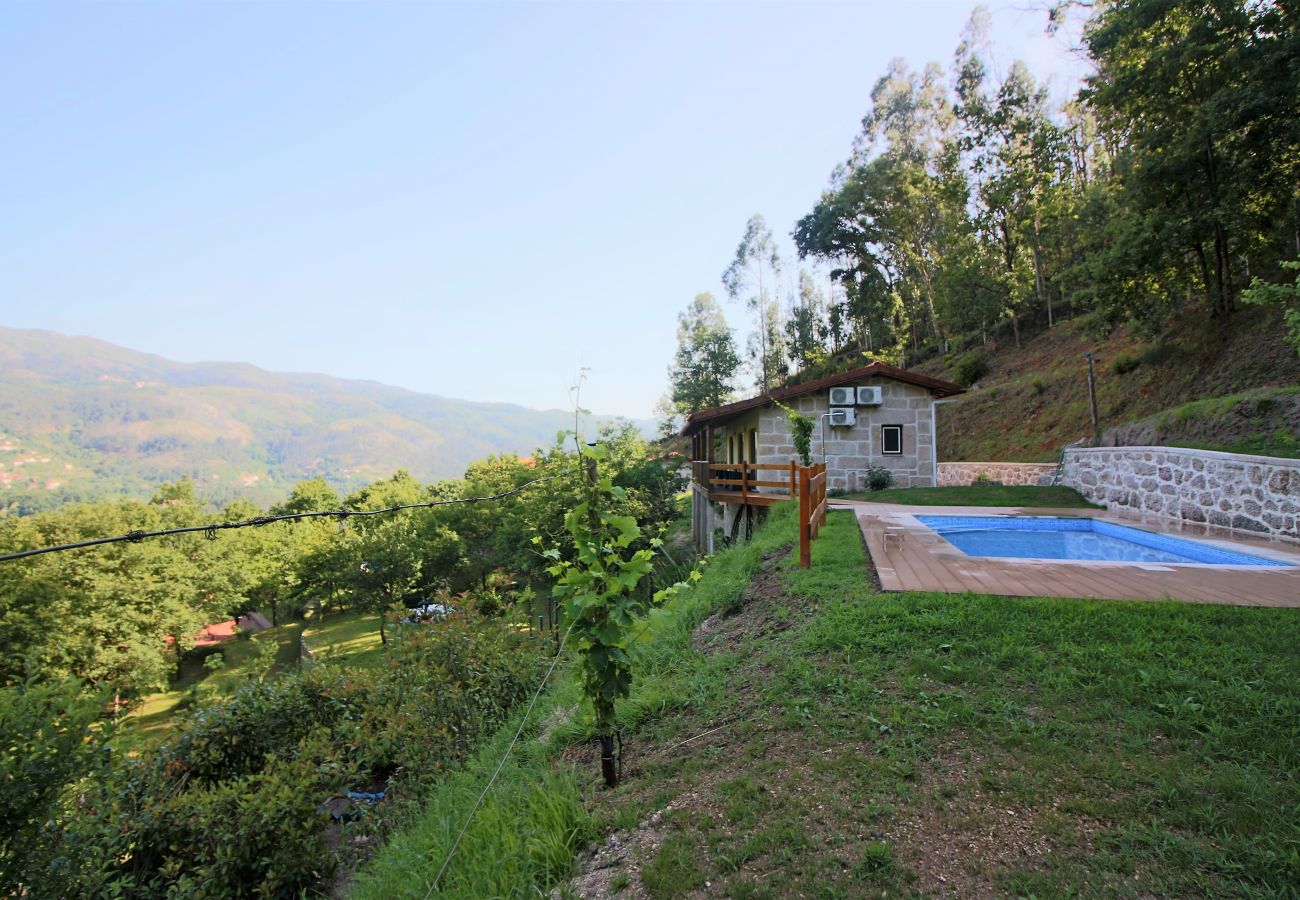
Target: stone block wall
{"points": [[848, 451], [955, 474], [1257, 494]]}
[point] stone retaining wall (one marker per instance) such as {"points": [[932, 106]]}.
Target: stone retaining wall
{"points": [[954, 474], [1259, 494]]}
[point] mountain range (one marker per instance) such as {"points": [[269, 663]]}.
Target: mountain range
{"points": [[81, 418]]}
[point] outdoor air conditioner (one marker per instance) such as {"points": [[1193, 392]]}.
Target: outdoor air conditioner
{"points": [[870, 396], [843, 418], [841, 396]]}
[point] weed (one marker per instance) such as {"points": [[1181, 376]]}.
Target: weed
{"points": [[674, 871]]}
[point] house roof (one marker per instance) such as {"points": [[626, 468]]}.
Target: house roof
{"points": [[718, 415]]}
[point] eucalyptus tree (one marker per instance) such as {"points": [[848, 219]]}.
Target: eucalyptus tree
{"points": [[754, 275], [1019, 164]]}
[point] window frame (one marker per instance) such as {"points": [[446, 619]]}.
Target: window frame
{"points": [[884, 442]]}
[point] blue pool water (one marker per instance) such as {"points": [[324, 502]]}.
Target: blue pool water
{"points": [[1042, 537]]}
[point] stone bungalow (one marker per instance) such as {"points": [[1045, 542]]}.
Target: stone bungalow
{"points": [[890, 423]]}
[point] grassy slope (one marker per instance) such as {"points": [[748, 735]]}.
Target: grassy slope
{"points": [[1035, 400], [841, 742], [980, 495], [350, 636], [152, 721]]}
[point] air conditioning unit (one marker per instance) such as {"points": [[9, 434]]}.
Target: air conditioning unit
{"points": [[842, 396], [843, 418], [870, 396]]}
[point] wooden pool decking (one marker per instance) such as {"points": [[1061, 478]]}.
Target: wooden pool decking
{"points": [[910, 557]]}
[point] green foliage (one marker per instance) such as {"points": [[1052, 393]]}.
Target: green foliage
{"points": [[877, 477], [1261, 292], [48, 743], [1125, 363], [233, 804], [704, 370], [971, 367], [598, 590]]}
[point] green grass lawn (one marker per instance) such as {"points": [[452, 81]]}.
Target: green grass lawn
{"points": [[153, 720], [821, 739], [350, 636], [979, 495]]}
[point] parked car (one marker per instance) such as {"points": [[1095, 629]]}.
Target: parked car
{"points": [[427, 612]]}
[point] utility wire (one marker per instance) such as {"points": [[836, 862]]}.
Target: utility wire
{"points": [[135, 537], [501, 765]]}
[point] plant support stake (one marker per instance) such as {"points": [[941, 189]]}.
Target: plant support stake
{"points": [[1092, 400]]}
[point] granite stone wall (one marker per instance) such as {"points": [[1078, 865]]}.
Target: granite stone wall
{"points": [[848, 451], [954, 474], [1257, 494]]}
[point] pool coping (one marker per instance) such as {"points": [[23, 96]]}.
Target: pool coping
{"points": [[908, 555]]}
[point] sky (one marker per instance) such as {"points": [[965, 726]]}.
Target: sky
{"points": [[476, 201]]}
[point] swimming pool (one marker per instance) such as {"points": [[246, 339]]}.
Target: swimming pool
{"points": [[1044, 537]]}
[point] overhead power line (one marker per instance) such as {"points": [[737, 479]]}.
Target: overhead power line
{"points": [[134, 537]]}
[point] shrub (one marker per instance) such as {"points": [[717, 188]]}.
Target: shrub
{"points": [[971, 367], [877, 477], [47, 743], [1038, 383], [233, 805], [1125, 363]]}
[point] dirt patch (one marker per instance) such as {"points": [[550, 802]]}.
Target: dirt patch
{"points": [[612, 868], [959, 838], [758, 613]]}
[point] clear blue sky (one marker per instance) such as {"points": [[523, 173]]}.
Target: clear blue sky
{"points": [[469, 200]]}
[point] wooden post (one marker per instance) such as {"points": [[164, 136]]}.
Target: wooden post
{"points": [[1092, 400], [805, 550], [744, 481], [793, 476]]}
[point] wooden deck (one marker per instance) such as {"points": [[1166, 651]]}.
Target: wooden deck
{"points": [[910, 557]]}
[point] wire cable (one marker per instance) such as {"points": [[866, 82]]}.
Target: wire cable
{"points": [[211, 530], [501, 765]]}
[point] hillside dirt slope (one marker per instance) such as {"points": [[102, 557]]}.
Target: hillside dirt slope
{"points": [[1034, 400]]}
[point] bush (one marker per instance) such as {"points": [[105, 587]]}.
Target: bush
{"points": [[1125, 363], [877, 477], [1038, 383], [47, 743], [971, 367], [233, 806]]}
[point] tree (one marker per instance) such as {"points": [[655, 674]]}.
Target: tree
{"points": [[705, 365], [1203, 101], [753, 275]]}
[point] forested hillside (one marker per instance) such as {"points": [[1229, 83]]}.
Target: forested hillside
{"points": [[82, 418], [1199, 383], [1148, 213]]}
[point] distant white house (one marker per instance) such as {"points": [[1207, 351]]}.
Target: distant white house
{"points": [[877, 415]]}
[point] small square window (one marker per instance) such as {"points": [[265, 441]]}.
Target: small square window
{"points": [[891, 439]]}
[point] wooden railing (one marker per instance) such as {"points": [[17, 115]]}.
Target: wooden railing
{"points": [[746, 484], [741, 482], [812, 509]]}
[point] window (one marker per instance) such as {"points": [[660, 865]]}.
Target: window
{"points": [[753, 445], [891, 439]]}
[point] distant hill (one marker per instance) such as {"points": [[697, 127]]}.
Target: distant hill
{"points": [[81, 418], [1034, 400]]}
